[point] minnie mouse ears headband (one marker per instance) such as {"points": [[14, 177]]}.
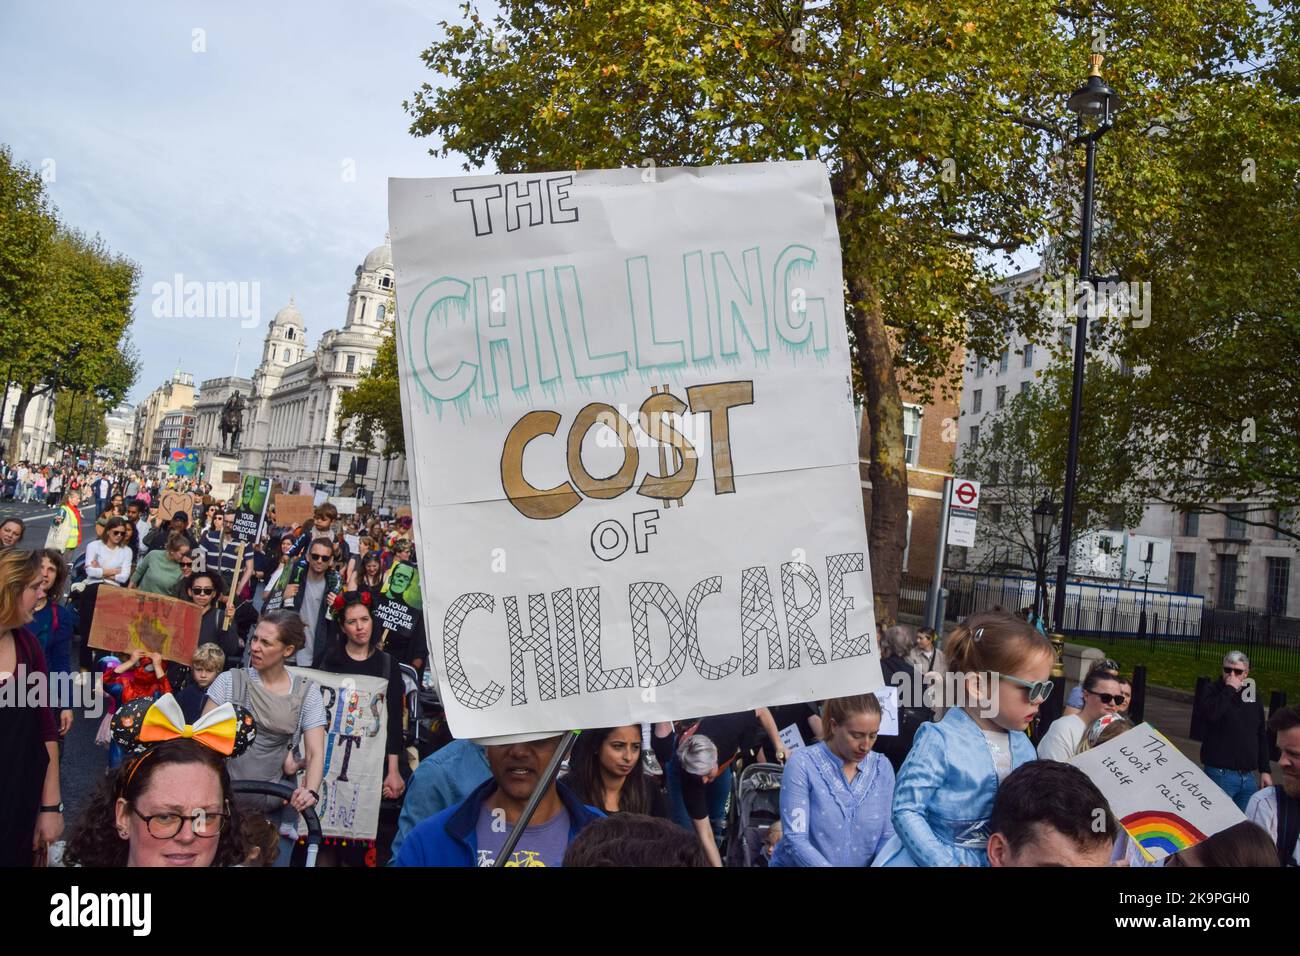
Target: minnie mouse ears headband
{"points": [[227, 729]]}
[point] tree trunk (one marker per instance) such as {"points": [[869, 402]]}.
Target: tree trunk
{"points": [[20, 414], [887, 530]]}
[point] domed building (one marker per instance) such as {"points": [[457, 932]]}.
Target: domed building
{"points": [[292, 411]]}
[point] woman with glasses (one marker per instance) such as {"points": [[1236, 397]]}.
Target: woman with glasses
{"points": [[1101, 695], [109, 559], [204, 588], [171, 803], [160, 571]]}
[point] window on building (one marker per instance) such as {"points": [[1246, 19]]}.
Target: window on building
{"points": [[994, 470], [286, 355], [288, 334], [977, 401], [1002, 396], [980, 365], [1186, 571], [995, 512], [361, 312], [385, 283], [379, 316], [1004, 360], [911, 434], [974, 435], [1024, 386], [352, 364], [1067, 336], [1279, 582], [1236, 520], [1029, 355], [1191, 524], [1020, 470], [1227, 582]]}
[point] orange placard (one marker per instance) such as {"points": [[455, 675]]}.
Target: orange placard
{"points": [[293, 509], [158, 625]]}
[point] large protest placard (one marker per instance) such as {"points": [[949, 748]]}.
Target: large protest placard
{"points": [[632, 444], [291, 510], [356, 735], [250, 510], [1164, 800], [127, 620]]}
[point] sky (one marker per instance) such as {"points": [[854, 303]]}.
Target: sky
{"points": [[255, 151]]}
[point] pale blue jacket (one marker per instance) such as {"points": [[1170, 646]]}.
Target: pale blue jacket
{"points": [[944, 795]]}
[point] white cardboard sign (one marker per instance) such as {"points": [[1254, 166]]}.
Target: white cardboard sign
{"points": [[1162, 799], [632, 444]]}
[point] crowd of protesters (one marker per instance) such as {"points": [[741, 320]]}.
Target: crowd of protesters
{"points": [[957, 783]]}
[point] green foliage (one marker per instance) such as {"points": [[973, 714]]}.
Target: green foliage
{"points": [[66, 307], [943, 127], [1020, 459], [79, 420], [373, 409]]}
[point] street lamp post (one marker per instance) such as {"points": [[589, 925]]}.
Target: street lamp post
{"points": [[1044, 522], [1094, 99]]}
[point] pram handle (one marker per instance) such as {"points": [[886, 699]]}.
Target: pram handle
{"points": [[264, 788]]}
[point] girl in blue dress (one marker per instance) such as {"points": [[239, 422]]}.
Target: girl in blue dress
{"points": [[945, 789]]}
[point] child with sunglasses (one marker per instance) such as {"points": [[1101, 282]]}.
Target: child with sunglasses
{"points": [[944, 794]]}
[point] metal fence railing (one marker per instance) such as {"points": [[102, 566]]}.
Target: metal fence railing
{"points": [[1185, 623]]}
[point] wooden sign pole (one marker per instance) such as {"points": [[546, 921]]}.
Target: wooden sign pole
{"points": [[234, 583]]}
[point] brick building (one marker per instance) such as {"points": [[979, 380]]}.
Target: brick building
{"points": [[929, 424]]}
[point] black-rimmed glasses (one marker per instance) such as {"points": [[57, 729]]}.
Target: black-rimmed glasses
{"points": [[164, 826]]}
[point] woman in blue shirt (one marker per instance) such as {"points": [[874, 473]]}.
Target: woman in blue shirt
{"points": [[53, 624], [836, 795]]}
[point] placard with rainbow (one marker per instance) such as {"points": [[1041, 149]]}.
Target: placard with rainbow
{"points": [[1163, 800], [1157, 830]]}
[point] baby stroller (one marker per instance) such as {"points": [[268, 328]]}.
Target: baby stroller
{"points": [[755, 807]]}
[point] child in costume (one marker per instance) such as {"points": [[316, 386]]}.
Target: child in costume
{"points": [[944, 794]]}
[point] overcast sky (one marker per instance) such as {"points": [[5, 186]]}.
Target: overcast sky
{"points": [[226, 165]]}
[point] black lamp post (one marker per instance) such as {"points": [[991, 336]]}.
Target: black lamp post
{"points": [[1091, 102], [1044, 522]]}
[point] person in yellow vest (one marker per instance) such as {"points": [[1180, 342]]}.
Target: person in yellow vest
{"points": [[65, 531]]}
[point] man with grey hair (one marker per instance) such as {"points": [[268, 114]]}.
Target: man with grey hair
{"points": [[1235, 744]]}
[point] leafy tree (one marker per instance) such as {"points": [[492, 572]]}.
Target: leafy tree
{"points": [[65, 302], [79, 420], [373, 410], [942, 127], [1202, 205], [1020, 457]]}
